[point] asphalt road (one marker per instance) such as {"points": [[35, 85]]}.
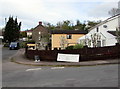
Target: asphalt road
{"points": [[16, 75], [97, 76], [6, 54]]}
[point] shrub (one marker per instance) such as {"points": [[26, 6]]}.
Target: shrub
{"points": [[6, 45], [23, 44], [69, 47], [78, 46], [31, 41]]}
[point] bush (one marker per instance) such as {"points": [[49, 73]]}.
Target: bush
{"points": [[69, 47], [78, 46], [23, 44], [6, 45], [31, 41]]}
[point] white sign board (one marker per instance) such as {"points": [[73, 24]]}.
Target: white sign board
{"points": [[68, 57]]}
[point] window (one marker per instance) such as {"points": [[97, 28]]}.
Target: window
{"points": [[97, 29], [39, 33], [98, 43], [39, 38], [105, 26], [103, 42], [69, 36]]}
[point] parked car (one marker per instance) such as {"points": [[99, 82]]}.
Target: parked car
{"points": [[14, 45]]}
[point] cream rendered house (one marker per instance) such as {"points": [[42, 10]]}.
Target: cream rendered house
{"points": [[63, 38]]}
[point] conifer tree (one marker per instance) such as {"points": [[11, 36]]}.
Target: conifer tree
{"points": [[12, 30]]}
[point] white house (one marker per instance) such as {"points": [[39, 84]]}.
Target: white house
{"points": [[29, 33], [103, 34]]}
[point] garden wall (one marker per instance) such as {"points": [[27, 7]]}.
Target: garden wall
{"points": [[100, 53]]}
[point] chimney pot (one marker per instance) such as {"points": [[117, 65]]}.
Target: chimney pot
{"points": [[40, 23]]}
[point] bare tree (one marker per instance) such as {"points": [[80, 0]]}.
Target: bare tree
{"points": [[95, 38], [63, 42], [113, 11]]}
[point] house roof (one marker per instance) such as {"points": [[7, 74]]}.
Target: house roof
{"points": [[27, 31], [40, 28], [40, 25], [68, 32], [112, 32]]}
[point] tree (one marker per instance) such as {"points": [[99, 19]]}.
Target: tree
{"points": [[79, 25], [68, 25], [17, 29], [93, 23], [12, 30], [23, 34], [63, 42], [49, 26], [95, 38], [65, 25], [113, 12]]}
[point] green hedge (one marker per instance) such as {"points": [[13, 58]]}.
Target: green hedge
{"points": [[77, 46], [69, 47], [23, 44]]}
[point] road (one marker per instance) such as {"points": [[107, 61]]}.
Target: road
{"points": [[6, 54], [16, 75]]}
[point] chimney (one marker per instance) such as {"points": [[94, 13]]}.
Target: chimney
{"points": [[40, 23]]}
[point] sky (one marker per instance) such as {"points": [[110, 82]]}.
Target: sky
{"points": [[30, 12]]}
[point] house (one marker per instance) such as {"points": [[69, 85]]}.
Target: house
{"points": [[40, 36], [29, 33], [103, 34], [63, 38], [23, 36]]}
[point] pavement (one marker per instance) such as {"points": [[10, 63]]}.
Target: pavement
{"points": [[20, 58]]}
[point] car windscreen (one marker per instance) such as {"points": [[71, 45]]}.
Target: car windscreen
{"points": [[13, 43]]}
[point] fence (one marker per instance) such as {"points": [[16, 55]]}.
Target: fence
{"points": [[104, 53]]}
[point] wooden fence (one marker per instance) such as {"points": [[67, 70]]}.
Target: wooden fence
{"points": [[86, 54]]}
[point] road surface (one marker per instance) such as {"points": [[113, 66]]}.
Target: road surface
{"points": [[17, 75]]}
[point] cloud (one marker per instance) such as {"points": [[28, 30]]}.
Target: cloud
{"points": [[102, 9], [30, 12]]}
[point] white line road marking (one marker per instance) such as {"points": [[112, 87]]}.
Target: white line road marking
{"points": [[41, 68], [34, 69], [57, 67]]}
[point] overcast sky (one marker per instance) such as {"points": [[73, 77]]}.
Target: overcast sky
{"points": [[30, 12]]}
